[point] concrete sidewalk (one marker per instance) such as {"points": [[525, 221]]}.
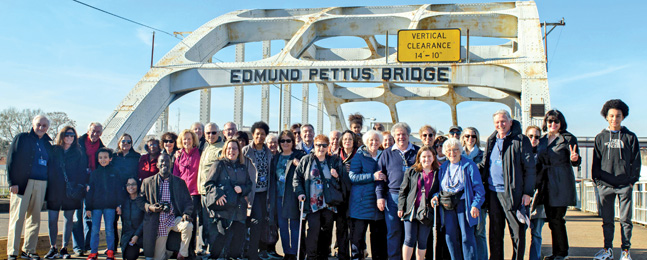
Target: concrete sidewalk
{"points": [[584, 232]]}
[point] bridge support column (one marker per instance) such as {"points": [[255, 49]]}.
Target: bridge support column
{"points": [[265, 89], [239, 92], [305, 94], [320, 108], [287, 105], [161, 126], [205, 105]]}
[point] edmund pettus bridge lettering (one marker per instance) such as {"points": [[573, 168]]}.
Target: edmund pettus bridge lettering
{"points": [[260, 76]]}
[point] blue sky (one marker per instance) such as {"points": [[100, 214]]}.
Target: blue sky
{"points": [[63, 56]]}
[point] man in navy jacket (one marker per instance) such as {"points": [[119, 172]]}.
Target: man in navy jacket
{"points": [[29, 161]]}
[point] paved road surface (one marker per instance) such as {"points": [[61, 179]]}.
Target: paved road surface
{"points": [[584, 231]]}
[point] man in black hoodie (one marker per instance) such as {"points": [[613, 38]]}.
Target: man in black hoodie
{"points": [[508, 170], [615, 170]]}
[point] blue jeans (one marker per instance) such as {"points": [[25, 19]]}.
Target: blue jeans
{"points": [[459, 234], [394, 234], [108, 219], [481, 237], [78, 236], [416, 233], [535, 242], [288, 230], [52, 222]]}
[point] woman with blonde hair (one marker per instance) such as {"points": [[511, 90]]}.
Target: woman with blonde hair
{"points": [[187, 162]]}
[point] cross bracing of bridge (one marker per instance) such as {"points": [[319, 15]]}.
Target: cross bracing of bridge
{"points": [[513, 73]]}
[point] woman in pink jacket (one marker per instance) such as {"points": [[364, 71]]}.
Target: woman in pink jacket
{"points": [[187, 160]]}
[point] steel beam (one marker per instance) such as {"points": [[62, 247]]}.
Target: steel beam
{"points": [[513, 73], [265, 89], [305, 98]]}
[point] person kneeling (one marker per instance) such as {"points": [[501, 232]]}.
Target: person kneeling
{"points": [[168, 207]]}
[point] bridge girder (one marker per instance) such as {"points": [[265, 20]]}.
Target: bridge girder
{"points": [[513, 73]]}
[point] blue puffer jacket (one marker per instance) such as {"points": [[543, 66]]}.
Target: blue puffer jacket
{"points": [[363, 200]]}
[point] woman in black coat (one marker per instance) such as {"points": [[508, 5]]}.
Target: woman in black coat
{"points": [[70, 162], [285, 200], [132, 222], [228, 183], [126, 160], [557, 154]]}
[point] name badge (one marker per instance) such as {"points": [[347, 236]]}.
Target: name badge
{"points": [[405, 168], [282, 178], [42, 162], [498, 162], [262, 178], [319, 186]]}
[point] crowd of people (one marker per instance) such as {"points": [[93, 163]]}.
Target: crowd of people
{"points": [[224, 194]]}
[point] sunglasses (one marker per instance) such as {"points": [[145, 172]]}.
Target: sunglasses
{"points": [[470, 136], [436, 145], [322, 145], [211, 133], [285, 141], [131, 185], [168, 141], [454, 132], [70, 134], [551, 121], [427, 135], [533, 136], [153, 145], [126, 141], [296, 132]]}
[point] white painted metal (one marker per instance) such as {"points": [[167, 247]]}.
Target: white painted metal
{"points": [[265, 89], [287, 106], [305, 99], [205, 105], [239, 91], [513, 73]]}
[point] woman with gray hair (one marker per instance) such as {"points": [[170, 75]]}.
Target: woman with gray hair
{"points": [[470, 139], [461, 195], [363, 202]]}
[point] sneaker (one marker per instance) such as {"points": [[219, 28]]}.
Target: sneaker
{"points": [[110, 255], [32, 256], [263, 255], [63, 253], [12, 257], [78, 253], [53, 253], [625, 255], [604, 254], [93, 256]]}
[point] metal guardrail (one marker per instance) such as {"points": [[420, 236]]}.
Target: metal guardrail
{"points": [[4, 186], [587, 200]]}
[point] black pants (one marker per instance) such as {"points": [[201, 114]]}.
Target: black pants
{"points": [[358, 229], [342, 242], [319, 234], [257, 223], [442, 250], [498, 217], [205, 221], [197, 211], [226, 238], [557, 224]]}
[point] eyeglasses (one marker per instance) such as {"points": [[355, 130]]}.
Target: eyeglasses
{"points": [[533, 136], [168, 141], [322, 145], [70, 134], [285, 141], [454, 132], [126, 141], [470, 136], [427, 135], [211, 133], [436, 145], [551, 121], [131, 185]]}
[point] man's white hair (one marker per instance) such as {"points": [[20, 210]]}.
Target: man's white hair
{"points": [[93, 124], [38, 118], [503, 112]]}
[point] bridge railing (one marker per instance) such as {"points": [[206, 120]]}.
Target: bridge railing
{"points": [[587, 200]]}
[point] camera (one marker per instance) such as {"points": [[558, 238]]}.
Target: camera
{"points": [[166, 206]]}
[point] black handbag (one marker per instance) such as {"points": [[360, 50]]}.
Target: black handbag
{"points": [[424, 212], [226, 189], [332, 192], [74, 191], [450, 200]]}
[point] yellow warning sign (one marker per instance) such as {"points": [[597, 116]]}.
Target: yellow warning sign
{"points": [[436, 45]]}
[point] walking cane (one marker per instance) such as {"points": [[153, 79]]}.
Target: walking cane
{"points": [[300, 227], [435, 232]]}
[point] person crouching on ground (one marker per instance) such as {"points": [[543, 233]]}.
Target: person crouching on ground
{"points": [[168, 207]]}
